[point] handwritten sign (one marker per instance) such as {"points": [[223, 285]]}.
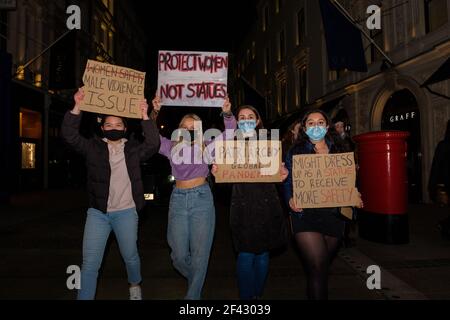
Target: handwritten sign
{"points": [[324, 180], [112, 90], [243, 161], [192, 78]]}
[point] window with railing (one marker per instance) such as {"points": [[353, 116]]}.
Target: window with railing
{"points": [[265, 18], [266, 60], [281, 46], [301, 28], [303, 85]]}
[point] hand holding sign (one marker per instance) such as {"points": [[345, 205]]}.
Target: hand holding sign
{"points": [[144, 109], [78, 97], [156, 102], [293, 206], [226, 108], [284, 172]]}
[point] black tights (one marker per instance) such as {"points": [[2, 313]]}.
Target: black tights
{"points": [[317, 252]]}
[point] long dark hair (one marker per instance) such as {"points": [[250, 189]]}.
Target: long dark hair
{"points": [[303, 145], [255, 111]]}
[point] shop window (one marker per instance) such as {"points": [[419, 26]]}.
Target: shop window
{"points": [[28, 155], [30, 126]]}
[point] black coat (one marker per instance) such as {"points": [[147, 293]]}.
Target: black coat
{"points": [[256, 218], [96, 153]]}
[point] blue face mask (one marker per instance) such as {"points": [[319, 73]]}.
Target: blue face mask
{"points": [[316, 133], [247, 126]]}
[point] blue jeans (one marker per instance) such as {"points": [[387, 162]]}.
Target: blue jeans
{"points": [[98, 226], [190, 233], [252, 272]]}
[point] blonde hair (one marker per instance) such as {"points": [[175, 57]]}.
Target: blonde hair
{"points": [[192, 116]]}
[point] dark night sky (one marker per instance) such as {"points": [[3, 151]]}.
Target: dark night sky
{"points": [[208, 25]]}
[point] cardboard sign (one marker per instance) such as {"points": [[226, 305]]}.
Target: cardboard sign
{"points": [[113, 90], [324, 180], [192, 78], [248, 161]]}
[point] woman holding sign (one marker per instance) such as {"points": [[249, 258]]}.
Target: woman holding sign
{"points": [[191, 220], [256, 218], [317, 231], [115, 192]]}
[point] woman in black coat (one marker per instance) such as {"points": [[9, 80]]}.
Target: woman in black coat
{"points": [[115, 190], [256, 218]]}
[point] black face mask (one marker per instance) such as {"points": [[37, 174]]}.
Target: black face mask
{"points": [[192, 133], [114, 135]]}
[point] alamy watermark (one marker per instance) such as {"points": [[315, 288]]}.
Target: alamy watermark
{"points": [[374, 280], [74, 280], [200, 147]]}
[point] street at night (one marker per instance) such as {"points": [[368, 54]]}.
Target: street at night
{"points": [[39, 249]]}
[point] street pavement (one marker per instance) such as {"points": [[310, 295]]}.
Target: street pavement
{"points": [[41, 235]]}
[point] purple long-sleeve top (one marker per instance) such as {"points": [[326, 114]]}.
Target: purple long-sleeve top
{"points": [[188, 161]]}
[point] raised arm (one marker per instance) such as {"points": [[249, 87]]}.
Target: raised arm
{"points": [[228, 119], [165, 144], [151, 144], [70, 128]]}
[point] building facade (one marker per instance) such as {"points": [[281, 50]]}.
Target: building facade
{"points": [[42, 92], [285, 58]]}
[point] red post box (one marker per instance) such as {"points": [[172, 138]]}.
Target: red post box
{"points": [[383, 183]]}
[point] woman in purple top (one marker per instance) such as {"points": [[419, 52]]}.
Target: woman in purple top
{"points": [[191, 220]]}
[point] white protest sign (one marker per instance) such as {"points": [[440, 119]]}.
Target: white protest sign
{"points": [[197, 79]]}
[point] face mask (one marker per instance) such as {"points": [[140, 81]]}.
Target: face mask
{"points": [[247, 126], [114, 135], [316, 133], [192, 134]]}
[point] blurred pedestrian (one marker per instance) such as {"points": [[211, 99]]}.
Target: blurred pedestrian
{"points": [[344, 135], [439, 183], [115, 192], [290, 136], [256, 219], [347, 145], [191, 220], [318, 231]]}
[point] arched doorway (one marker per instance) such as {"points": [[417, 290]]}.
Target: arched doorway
{"points": [[401, 112]]}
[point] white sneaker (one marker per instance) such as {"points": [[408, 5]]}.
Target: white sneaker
{"points": [[135, 293]]}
